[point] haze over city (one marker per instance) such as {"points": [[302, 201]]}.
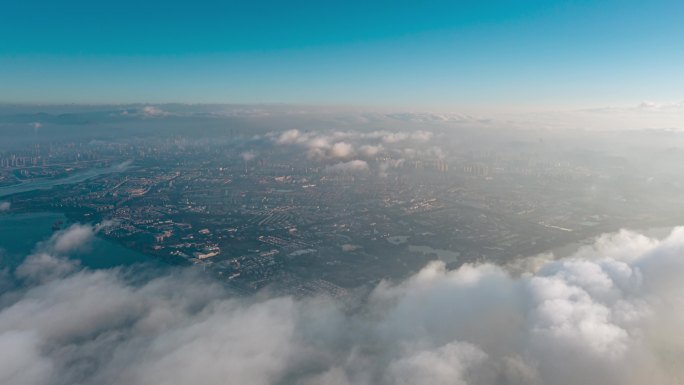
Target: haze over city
{"points": [[341, 193]]}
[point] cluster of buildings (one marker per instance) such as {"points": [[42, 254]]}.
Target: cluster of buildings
{"points": [[277, 221]]}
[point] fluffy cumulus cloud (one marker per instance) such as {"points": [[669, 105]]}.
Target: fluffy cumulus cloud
{"points": [[610, 314], [341, 150], [72, 239], [48, 262], [369, 150], [318, 146], [330, 145], [289, 137]]}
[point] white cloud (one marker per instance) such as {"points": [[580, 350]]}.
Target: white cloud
{"points": [[660, 106], [49, 262], [394, 137], [289, 137], [151, 111], [341, 150], [320, 143], [370, 150], [248, 155], [446, 365], [421, 135], [43, 267], [20, 359], [74, 238], [317, 148], [610, 314], [327, 145]]}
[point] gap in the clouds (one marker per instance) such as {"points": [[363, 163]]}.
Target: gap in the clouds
{"points": [[20, 233]]}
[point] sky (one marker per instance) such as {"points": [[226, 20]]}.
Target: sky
{"points": [[441, 54]]}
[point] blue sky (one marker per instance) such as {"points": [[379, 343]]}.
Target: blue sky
{"points": [[442, 54]]}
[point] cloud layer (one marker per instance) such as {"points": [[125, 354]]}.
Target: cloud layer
{"points": [[610, 314]]}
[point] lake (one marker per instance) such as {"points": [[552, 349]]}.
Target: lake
{"points": [[20, 233]]}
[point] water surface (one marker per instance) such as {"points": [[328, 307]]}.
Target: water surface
{"points": [[48, 183], [20, 235]]}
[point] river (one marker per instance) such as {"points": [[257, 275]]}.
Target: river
{"points": [[47, 183]]}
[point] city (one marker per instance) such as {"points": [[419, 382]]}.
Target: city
{"points": [[329, 211], [341, 192]]}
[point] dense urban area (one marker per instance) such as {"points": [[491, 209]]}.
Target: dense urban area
{"points": [[309, 210]]}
